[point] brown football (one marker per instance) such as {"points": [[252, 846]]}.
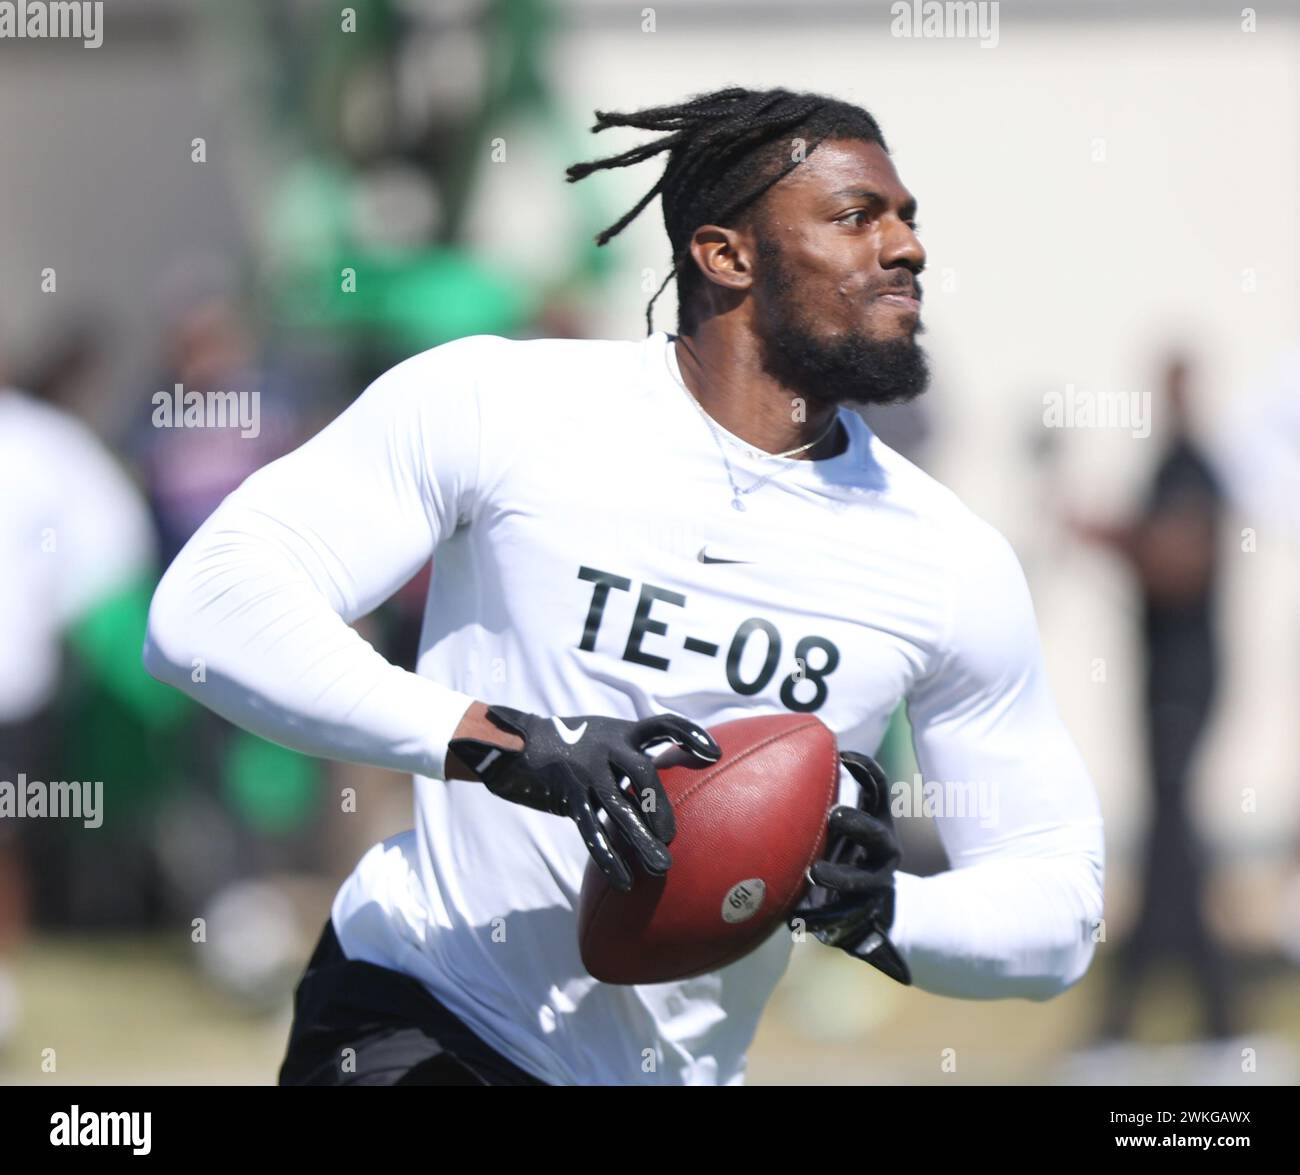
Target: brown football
{"points": [[748, 828]]}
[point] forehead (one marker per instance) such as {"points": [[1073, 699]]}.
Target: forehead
{"points": [[836, 166]]}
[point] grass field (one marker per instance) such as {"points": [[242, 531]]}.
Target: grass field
{"points": [[135, 1011]]}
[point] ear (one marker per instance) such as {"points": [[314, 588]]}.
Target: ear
{"points": [[724, 256]]}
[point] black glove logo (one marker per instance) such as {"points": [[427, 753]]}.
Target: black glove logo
{"points": [[576, 767]]}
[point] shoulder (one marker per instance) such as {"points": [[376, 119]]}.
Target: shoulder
{"points": [[989, 629], [36, 423], [928, 503], [521, 392], [43, 437], [492, 362]]}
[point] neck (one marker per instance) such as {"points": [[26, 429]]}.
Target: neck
{"points": [[721, 365]]}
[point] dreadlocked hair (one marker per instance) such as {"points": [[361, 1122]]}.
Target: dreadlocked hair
{"points": [[725, 150]]}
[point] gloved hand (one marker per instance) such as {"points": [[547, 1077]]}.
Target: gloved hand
{"points": [[574, 767], [851, 902]]}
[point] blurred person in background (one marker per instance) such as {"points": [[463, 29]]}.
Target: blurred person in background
{"points": [[207, 348], [66, 367], [78, 563], [245, 813], [1171, 546]]}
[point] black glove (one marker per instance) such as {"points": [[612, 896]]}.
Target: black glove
{"points": [[861, 855], [574, 767]]}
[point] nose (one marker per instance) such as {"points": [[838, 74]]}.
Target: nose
{"points": [[901, 247]]}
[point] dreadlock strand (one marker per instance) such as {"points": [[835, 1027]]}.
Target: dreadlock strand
{"points": [[634, 155], [650, 306], [741, 202], [628, 217], [737, 144], [680, 113]]}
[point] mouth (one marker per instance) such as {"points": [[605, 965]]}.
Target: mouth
{"points": [[902, 301]]}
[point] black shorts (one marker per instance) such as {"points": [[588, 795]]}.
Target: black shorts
{"points": [[357, 1023]]}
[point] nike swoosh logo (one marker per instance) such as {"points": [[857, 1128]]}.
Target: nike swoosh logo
{"points": [[570, 736], [705, 557]]}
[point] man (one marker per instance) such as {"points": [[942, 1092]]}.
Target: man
{"points": [[78, 559], [637, 540], [1172, 546]]}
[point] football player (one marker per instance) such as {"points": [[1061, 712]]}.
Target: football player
{"points": [[636, 540]]}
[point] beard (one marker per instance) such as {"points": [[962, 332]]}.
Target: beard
{"points": [[852, 368]]}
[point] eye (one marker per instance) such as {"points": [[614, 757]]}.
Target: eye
{"points": [[862, 212]]}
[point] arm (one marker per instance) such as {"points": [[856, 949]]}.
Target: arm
{"points": [[1171, 546], [1017, 912], [253, 617]]}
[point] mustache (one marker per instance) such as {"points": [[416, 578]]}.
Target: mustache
{"points": [[909, 286]]}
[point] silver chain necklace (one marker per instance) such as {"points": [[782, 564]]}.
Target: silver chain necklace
{"points": [[736, 492]]}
